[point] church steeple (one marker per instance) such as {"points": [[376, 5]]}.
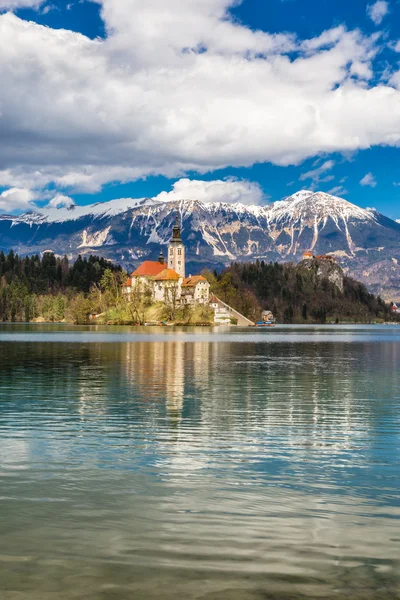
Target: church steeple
{"points": [[176, 250], [176, 232]]}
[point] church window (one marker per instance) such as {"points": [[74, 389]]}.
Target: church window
{"points": [[179, 251]]}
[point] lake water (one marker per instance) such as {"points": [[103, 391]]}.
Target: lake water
{"points": [[230, 464]]}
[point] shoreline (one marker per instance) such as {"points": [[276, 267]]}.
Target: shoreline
{"points": [[199, 325]]}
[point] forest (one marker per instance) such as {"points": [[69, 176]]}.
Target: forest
{"points": [[296, 295], [49, 288]]}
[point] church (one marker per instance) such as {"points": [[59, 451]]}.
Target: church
{"points": [[168, 281]]}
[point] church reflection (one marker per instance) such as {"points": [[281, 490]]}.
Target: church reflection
{"points": [[313, 394], [322, 395], [167, 371]]}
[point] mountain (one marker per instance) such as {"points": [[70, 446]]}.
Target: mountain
{"points": [[366, 243]]}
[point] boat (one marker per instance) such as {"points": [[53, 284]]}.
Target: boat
{"points": [[265, 324]]}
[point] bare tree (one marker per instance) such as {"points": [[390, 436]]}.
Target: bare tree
{"points": [[171, 291], [140, 298]]}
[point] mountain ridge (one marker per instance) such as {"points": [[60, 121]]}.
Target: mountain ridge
{"points": [[129, 230]]}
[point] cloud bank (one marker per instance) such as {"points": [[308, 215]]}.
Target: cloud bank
{"points": [[230, 190], [16, 199], [180, 87]]}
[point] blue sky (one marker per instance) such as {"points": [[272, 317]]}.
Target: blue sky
{"points": [[140, 104]]}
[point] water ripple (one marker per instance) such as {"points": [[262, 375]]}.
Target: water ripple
{"points": [[217, 465]]}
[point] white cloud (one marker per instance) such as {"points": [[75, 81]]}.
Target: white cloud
{"points": [[229, 190], [338, 190], [378, 11], [316, 175], [180, 87], [14, 4], [16, 199], [61, 201], [162, 30], [368, 180]]}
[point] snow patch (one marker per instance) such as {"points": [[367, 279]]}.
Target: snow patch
{"points": [[154, 238], [211, 241], [95, 240], [301, 195]]}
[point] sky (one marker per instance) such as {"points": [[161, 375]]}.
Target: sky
{"points": [[213, 99]]}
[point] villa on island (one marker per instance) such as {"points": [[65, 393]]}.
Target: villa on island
{"points": [[166, 281], [310, 256]]}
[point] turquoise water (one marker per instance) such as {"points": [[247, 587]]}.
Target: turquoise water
{"points": [[199, 464]]}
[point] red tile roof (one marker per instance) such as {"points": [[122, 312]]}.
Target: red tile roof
{"points": [[127, 283], [193, 281], [148, 268], [167, 275]]}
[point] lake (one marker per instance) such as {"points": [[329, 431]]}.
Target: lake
{"points": [[200, 464]]}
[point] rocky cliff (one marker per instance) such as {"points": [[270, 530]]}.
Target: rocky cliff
{"points": [[325, 268]]}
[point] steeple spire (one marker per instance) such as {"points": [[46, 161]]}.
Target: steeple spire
{"points": [[176, 232]]}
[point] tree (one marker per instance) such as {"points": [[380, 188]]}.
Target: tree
{"points": [[30, 307], [79, 309], [111, 282], [107, 281], [139, 299], [60, 305], [288, 314], [304, 312], [171, 291], [187, 312], [250, 306], [227, 289]]}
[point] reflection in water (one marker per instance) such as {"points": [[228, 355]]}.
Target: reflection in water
{"points": [[199, 469]]}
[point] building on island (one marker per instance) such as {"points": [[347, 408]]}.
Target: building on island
{"points": [[267, 316], [176, 251], [226, 315], [166, 282], [195, 290], [310, 256]]}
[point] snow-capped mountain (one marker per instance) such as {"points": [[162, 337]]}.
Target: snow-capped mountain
{"points": [[128, 230]]}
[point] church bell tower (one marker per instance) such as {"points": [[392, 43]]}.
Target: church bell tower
{"points": [[176, 250]]}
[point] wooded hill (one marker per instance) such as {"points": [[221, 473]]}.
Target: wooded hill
{"points": [[296, 294]]}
